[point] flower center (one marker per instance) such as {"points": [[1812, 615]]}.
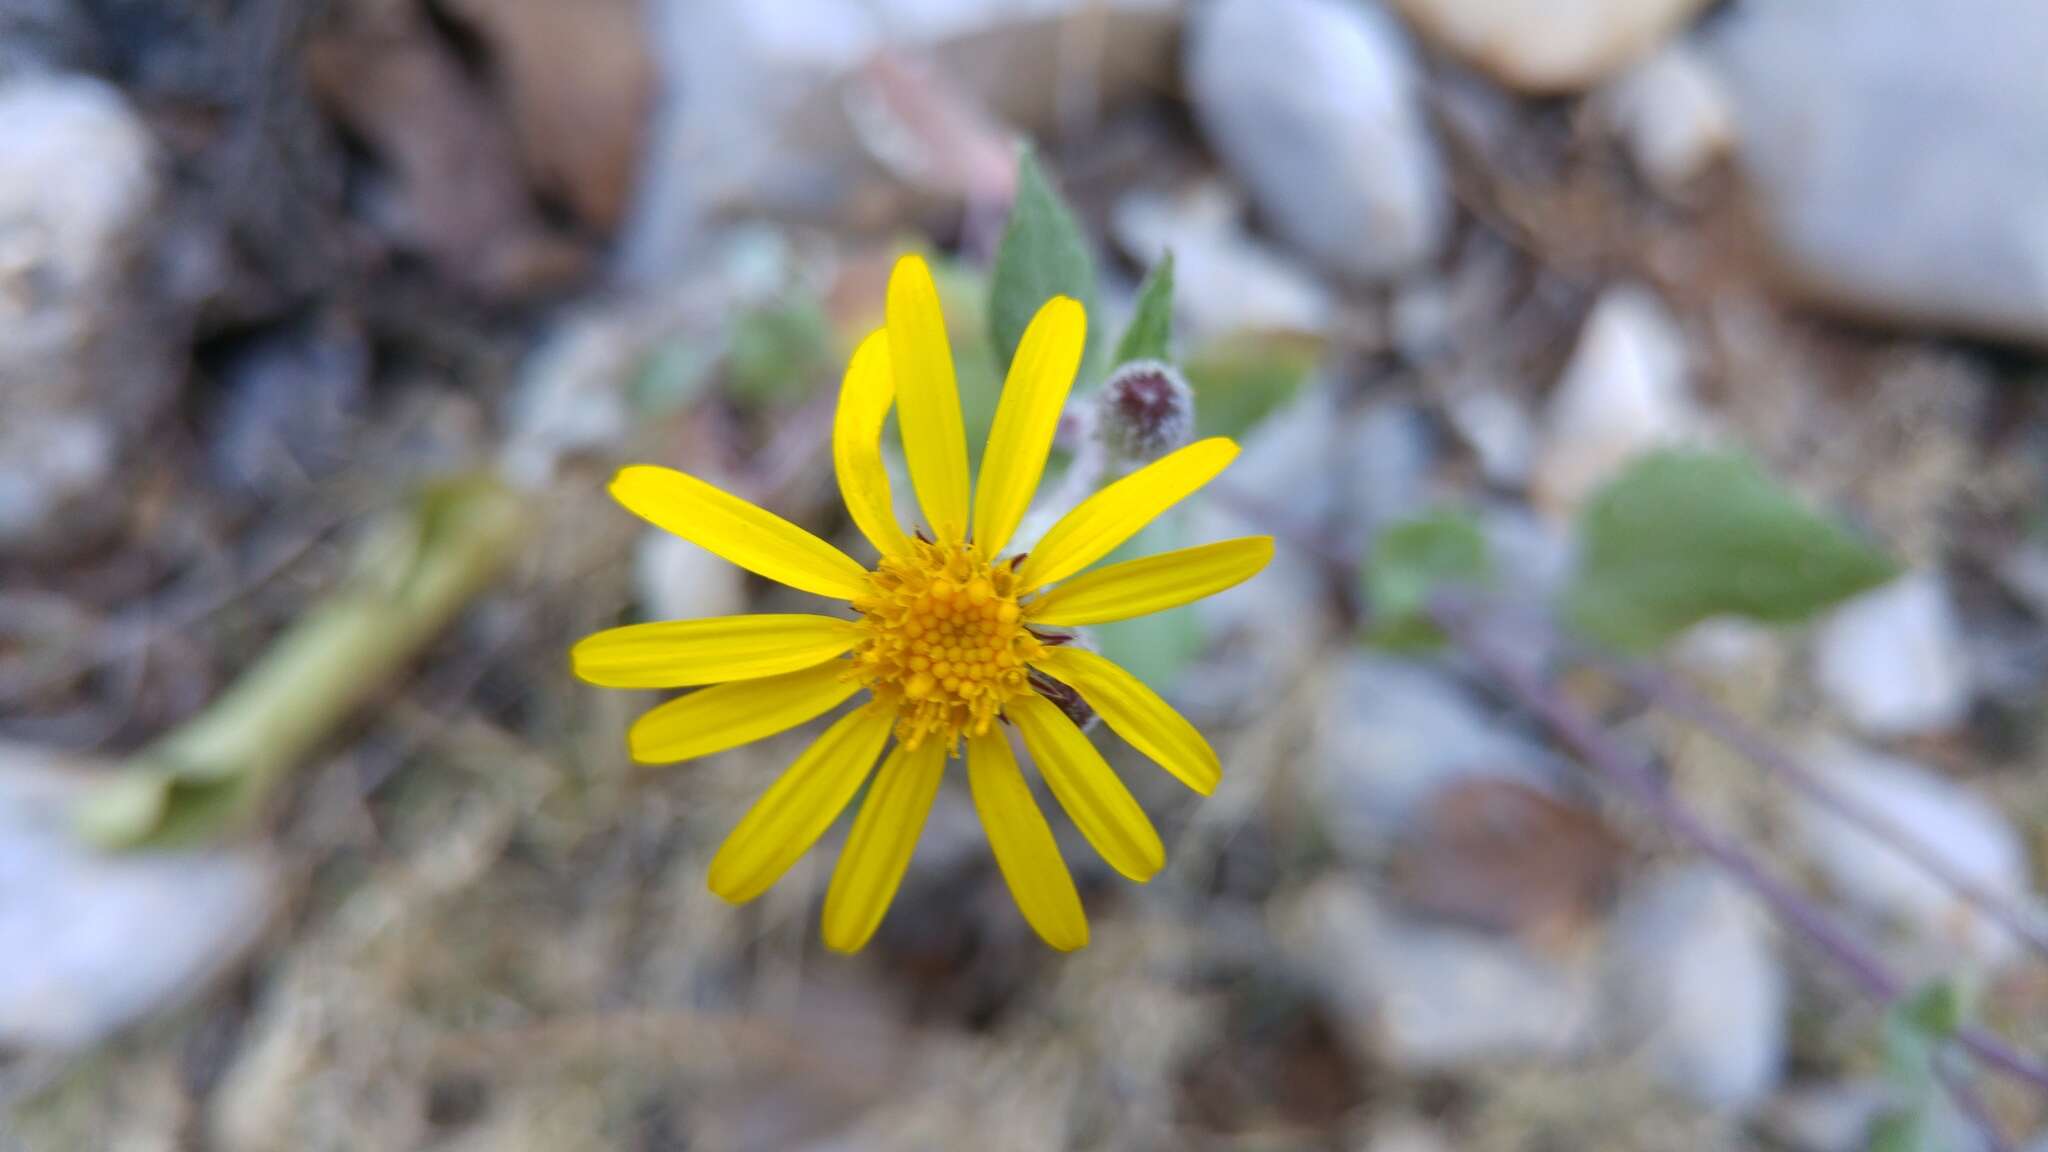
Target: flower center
{"points": [[945, 643]]}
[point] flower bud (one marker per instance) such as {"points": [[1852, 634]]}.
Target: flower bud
{"points": [[1146, 410]]}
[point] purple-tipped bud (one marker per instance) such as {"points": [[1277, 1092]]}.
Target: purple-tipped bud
{"points": [[1147, 410]]}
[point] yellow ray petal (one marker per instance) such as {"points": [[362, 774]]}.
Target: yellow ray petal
{"points": [[729, 715], [1113, 515], [927, 400], [749, 536], [682, 653], [1034, 394], [864, 399], [1099, 804], [1136, 713], [803, 802], [1153, 584], [1023, 844], [877, 853]]}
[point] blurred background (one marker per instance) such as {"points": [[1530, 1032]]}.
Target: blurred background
{"points": [[273, 271]]}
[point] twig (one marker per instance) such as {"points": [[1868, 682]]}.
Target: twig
{"points": [[1674, 696], [1973, 1105], [415, 572], [1600, 752]]}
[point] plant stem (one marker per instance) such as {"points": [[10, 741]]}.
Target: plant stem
{"points": [[1634, 776], [414, 572], [1674, 696]]}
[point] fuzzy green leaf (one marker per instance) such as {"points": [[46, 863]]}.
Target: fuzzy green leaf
{"points": [[781, 353], [1043, 254], [1684, 536], [1409, 562], [1150, 333]]}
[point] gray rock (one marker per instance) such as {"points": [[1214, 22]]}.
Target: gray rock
{"points": [[1673, 116], [571, 396], [1703, 991], [1974, 838], [1390, 734], [1896, 149], [1498, 429], [1385, 458], [84, 363], [292, 401], [1828, 1117], [677, 580], [1894, 660], [752, 118], [1627, 390], [1843, 1117], [1224, 279], [1314, 106], [1428, 997], [92, 943], [1549, 45]]}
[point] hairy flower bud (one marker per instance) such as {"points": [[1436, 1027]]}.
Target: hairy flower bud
{"points": [[1146, 410]]}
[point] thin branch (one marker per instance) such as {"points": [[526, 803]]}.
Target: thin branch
{"points": [[1971, 1102], [1674, 696], [1634, 776]]}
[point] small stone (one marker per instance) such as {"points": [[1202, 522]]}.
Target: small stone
{"points": [[1894, 660], [677, 580], [1626, 391], [1828, 1117], [1893, 150], [1391, 735], [1705, 995], [83, 366], [571, 396], [1432, 998], [1499, 431], [91, 943], [1225, 279], [1386, 454], [291, 403], [1314, 106], [737, 128], [1406, 1135], [1949, 822], [2024, 571], [1674, 118], [1422, 320], [1549, 46]]}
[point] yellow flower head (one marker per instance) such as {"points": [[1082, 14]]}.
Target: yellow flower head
{"points": [[951, 633]]}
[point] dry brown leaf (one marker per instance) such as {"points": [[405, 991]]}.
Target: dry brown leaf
{"points": [[1511, 858], [380, 69], [580, 84]]}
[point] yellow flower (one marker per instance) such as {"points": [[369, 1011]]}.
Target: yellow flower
{"points": [[949, 634]]}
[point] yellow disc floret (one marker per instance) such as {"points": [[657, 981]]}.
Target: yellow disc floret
{"points": [[945, 643]]}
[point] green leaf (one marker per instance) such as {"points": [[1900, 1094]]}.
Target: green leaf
{"points": [[1915, 1029], [1937, 1011], [1409, 562], [1244, 378], [671, 377], [1150, 333], [780, 353], [1683, 536], [1158, 648], [1043, 254]]}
